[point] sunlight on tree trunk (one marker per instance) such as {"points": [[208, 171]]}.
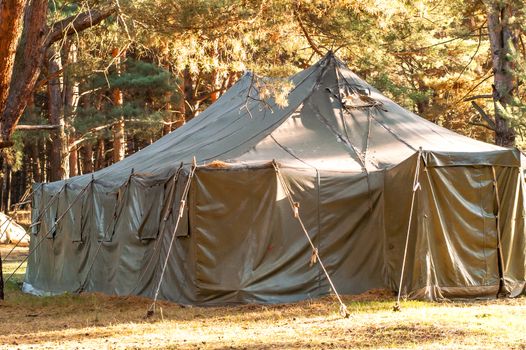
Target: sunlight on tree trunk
{"points": [[502, 40]]}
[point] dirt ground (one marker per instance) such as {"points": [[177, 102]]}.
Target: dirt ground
{"points": [[95, 321]]}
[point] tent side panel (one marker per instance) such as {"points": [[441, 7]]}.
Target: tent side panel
{"points": [[177, 283], [452, 250], [457, 222], [398, 184], [247, 246], [510, 183], [352, 230]]}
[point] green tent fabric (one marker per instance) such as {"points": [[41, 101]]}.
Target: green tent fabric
{"points": [[348, 156]]}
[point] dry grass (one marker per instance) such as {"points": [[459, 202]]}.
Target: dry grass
{"points": [[94, 321]]}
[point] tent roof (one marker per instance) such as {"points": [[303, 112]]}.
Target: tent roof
{"points": [[334, 120]]}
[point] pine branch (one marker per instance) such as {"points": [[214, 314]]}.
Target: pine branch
{"points": [[78, 23], [37, 127], [306, 34]]}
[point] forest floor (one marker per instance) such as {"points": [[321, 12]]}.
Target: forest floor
{"points": [[95, 321]]}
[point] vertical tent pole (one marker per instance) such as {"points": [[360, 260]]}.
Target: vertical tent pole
{"points": [[416, 186]]}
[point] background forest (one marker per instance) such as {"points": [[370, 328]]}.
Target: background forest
{"points": [[86, 83]]}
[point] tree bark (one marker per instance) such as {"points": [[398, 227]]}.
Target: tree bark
{"points": [[168, 114], [119, 138], [30, 53], [71, 100], [35, 164], [73, 160], [188, 95], [100, 156], [59, 152], [502, 39], [28, 59], [11, 17], [87, 157], [8, 171]]}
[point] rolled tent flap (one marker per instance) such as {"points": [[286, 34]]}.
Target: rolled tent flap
{"points": [[347, 153], [504, 158]]}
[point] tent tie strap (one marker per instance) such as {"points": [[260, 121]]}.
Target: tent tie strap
{"points": [[182, 204], [315, 253], [296, 210], [416, 187], [313, 257]]}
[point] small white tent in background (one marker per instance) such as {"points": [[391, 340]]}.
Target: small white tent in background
{"points": [[11, 232]]}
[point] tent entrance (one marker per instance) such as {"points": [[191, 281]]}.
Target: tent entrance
{"points": [[456, 251]]}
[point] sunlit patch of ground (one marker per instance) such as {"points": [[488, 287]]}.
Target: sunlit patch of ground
{"points": [[95, 321]]}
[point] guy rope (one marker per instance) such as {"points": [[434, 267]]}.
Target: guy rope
{"points": [[26, 198], [315, 254], [55, 224]]}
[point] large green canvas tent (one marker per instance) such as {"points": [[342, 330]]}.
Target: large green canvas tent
{"points": [[377, 187]]}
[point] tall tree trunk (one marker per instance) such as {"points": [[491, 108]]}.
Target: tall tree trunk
{"points": [[71, 101], [87, 157], [188, 89], [35, 164], [119, 141], [73, 159], [11, 17], [30, 53], [101, 153], [7, 188], [119, 138], [180, 115], [28, 60], [214, 80], [502, 40], [168, 114], [59, 152]]}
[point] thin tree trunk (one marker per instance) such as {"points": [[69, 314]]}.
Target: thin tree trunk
{"points": [[168, 114], [188, 89], [7, 188], [87, 158], [119, 138], [180, 115], [502, 39], [73, 160], [71, 100], [59, 152], [35, 164], [101, 152], [119, 141]]}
